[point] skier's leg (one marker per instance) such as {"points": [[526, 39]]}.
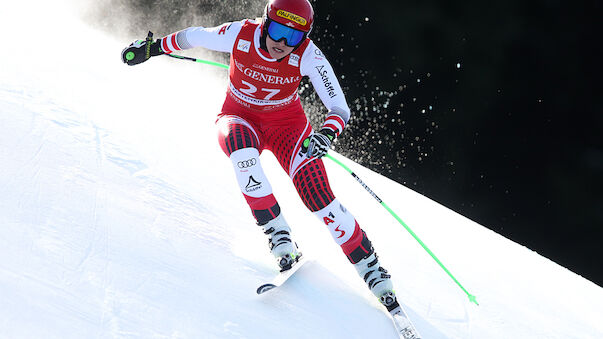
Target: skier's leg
{"points": [[240, 142], [312, 184], [313, 187]]}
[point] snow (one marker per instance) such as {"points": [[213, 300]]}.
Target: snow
{"points": [[121, 218]]}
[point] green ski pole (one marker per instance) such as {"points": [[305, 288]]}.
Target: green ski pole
{"points": [[207, 62], [472, 298]]}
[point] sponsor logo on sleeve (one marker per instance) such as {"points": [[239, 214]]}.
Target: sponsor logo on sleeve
{"points": [[223, 29], [319, 54], [244, 45], [324, 74]]}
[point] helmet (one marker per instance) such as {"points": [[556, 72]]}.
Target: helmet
{"points": [[289, 20], [297, 14]]}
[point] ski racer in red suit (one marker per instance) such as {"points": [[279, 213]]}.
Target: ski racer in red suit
{"points": [[262, 111]]}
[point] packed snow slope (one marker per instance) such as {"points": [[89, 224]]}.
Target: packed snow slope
{"points": [[121, 218]]}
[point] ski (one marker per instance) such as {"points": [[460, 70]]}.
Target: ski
{"points": [[403, 325], [282, 277]]}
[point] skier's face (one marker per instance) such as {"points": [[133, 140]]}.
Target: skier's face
{"points": [[278, 50]]}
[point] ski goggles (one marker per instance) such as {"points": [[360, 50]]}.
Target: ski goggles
{"points": [[278, 32]]}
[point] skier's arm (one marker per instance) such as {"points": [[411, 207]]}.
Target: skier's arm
{"points": [[220, 38], [319, 70]]}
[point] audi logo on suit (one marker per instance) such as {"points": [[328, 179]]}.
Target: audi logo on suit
{"points": [[247, 163]]}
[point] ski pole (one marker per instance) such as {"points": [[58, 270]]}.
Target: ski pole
{"points": [[471, 297], [413, 234], [213, 63]]}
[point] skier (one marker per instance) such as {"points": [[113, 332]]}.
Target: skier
{"points": [[262, 111]]}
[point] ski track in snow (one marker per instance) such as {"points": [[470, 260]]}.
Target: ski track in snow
{"points": [[121, 218]]}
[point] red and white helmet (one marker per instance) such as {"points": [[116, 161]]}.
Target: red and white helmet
{"points": [[297, 14]]}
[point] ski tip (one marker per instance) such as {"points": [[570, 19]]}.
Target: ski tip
{"points": [[265, 288]]}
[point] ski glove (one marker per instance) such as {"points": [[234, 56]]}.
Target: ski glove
{"points": [[318, 144], [141, 50]]}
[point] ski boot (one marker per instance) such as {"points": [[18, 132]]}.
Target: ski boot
{"points": [[379, 282], [375, 276], [279, 240]]}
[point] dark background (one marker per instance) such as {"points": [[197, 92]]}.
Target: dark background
{"points": [[492, 109]]}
